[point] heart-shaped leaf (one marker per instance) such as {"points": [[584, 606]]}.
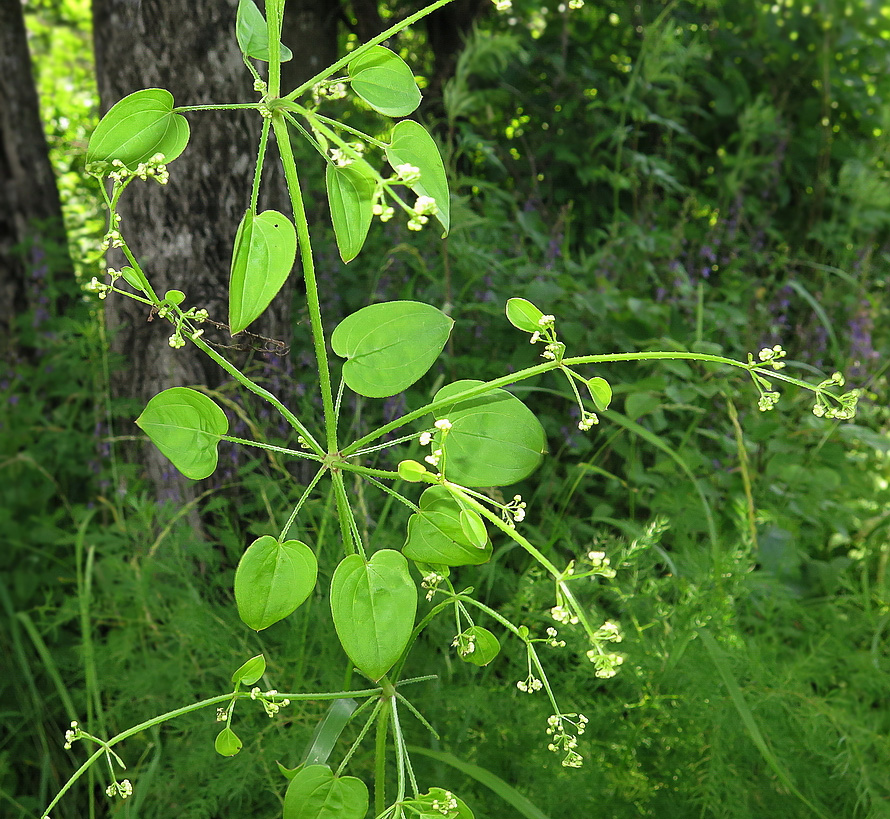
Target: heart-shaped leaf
{"points": [[265, 249], [251, 671], [494, 440], [253, 35], [390, 345], [272, 580], [436, 533], [373, 606], [186, 426], [600, 392], [138, 127], [384, 81], [351, 197], [523, 315], [477, 645], [410, 144], [315, 793], [227, 742]]}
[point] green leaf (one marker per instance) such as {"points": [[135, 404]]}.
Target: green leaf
{"points": [[227, 742], [176, 297], [436, 533], [138, 127], [373, 606], [429, 805], [384, 81], [523, 315], [389, 346], [272, 580], [485, 645], [600, 392], [315, 793], [351, 197], [410, 144], [253, 34], [494, 440], [186, 426], [265, 250], [133, 278], [412, 471], [251, 671]]}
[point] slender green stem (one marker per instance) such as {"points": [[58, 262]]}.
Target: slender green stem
{"points": [[530, 372], [293, 515], [258, 173], [302, 226], [306, 135], [242, 379], [187, 709], [344, 514], [400, 498], [274, 16], [271, 447], [182, 109], [380, 757], [354, 131], [344, 61]]}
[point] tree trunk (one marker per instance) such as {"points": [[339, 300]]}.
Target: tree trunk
{"points": [[182, 233], [30, 214]]}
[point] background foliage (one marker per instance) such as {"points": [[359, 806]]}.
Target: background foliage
{"points": [[671, 175]]}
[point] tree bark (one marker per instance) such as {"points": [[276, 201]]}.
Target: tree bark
{"points": [[30, 213]]}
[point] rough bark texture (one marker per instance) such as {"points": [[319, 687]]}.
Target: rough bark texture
{"points": [[310, 30], [29, 200], [182, 233]]}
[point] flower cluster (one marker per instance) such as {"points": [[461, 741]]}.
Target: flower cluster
{"points": [[426, 438], [588, 419], [331, 90], [447, 804], [564, 730], [847, 401], [464, 643], [154, 168], [606, 664], [600, 565], [408, 174], [772, 356], [122, 789], [95, 286], [72, 735], [551, 638], [342, 158], [270, 706], [431, 582], [609, 632], [514, 512], [562, 615], [424, 207], [530, 684]]}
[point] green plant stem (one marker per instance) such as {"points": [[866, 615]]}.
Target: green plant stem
{"points": [[258, 172], [182, 109], [380, 757], [302, 226], [242, 379], [187, 709], [293, 515], [530, 372], [271, 447], [344, 61], [274, 15]]}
